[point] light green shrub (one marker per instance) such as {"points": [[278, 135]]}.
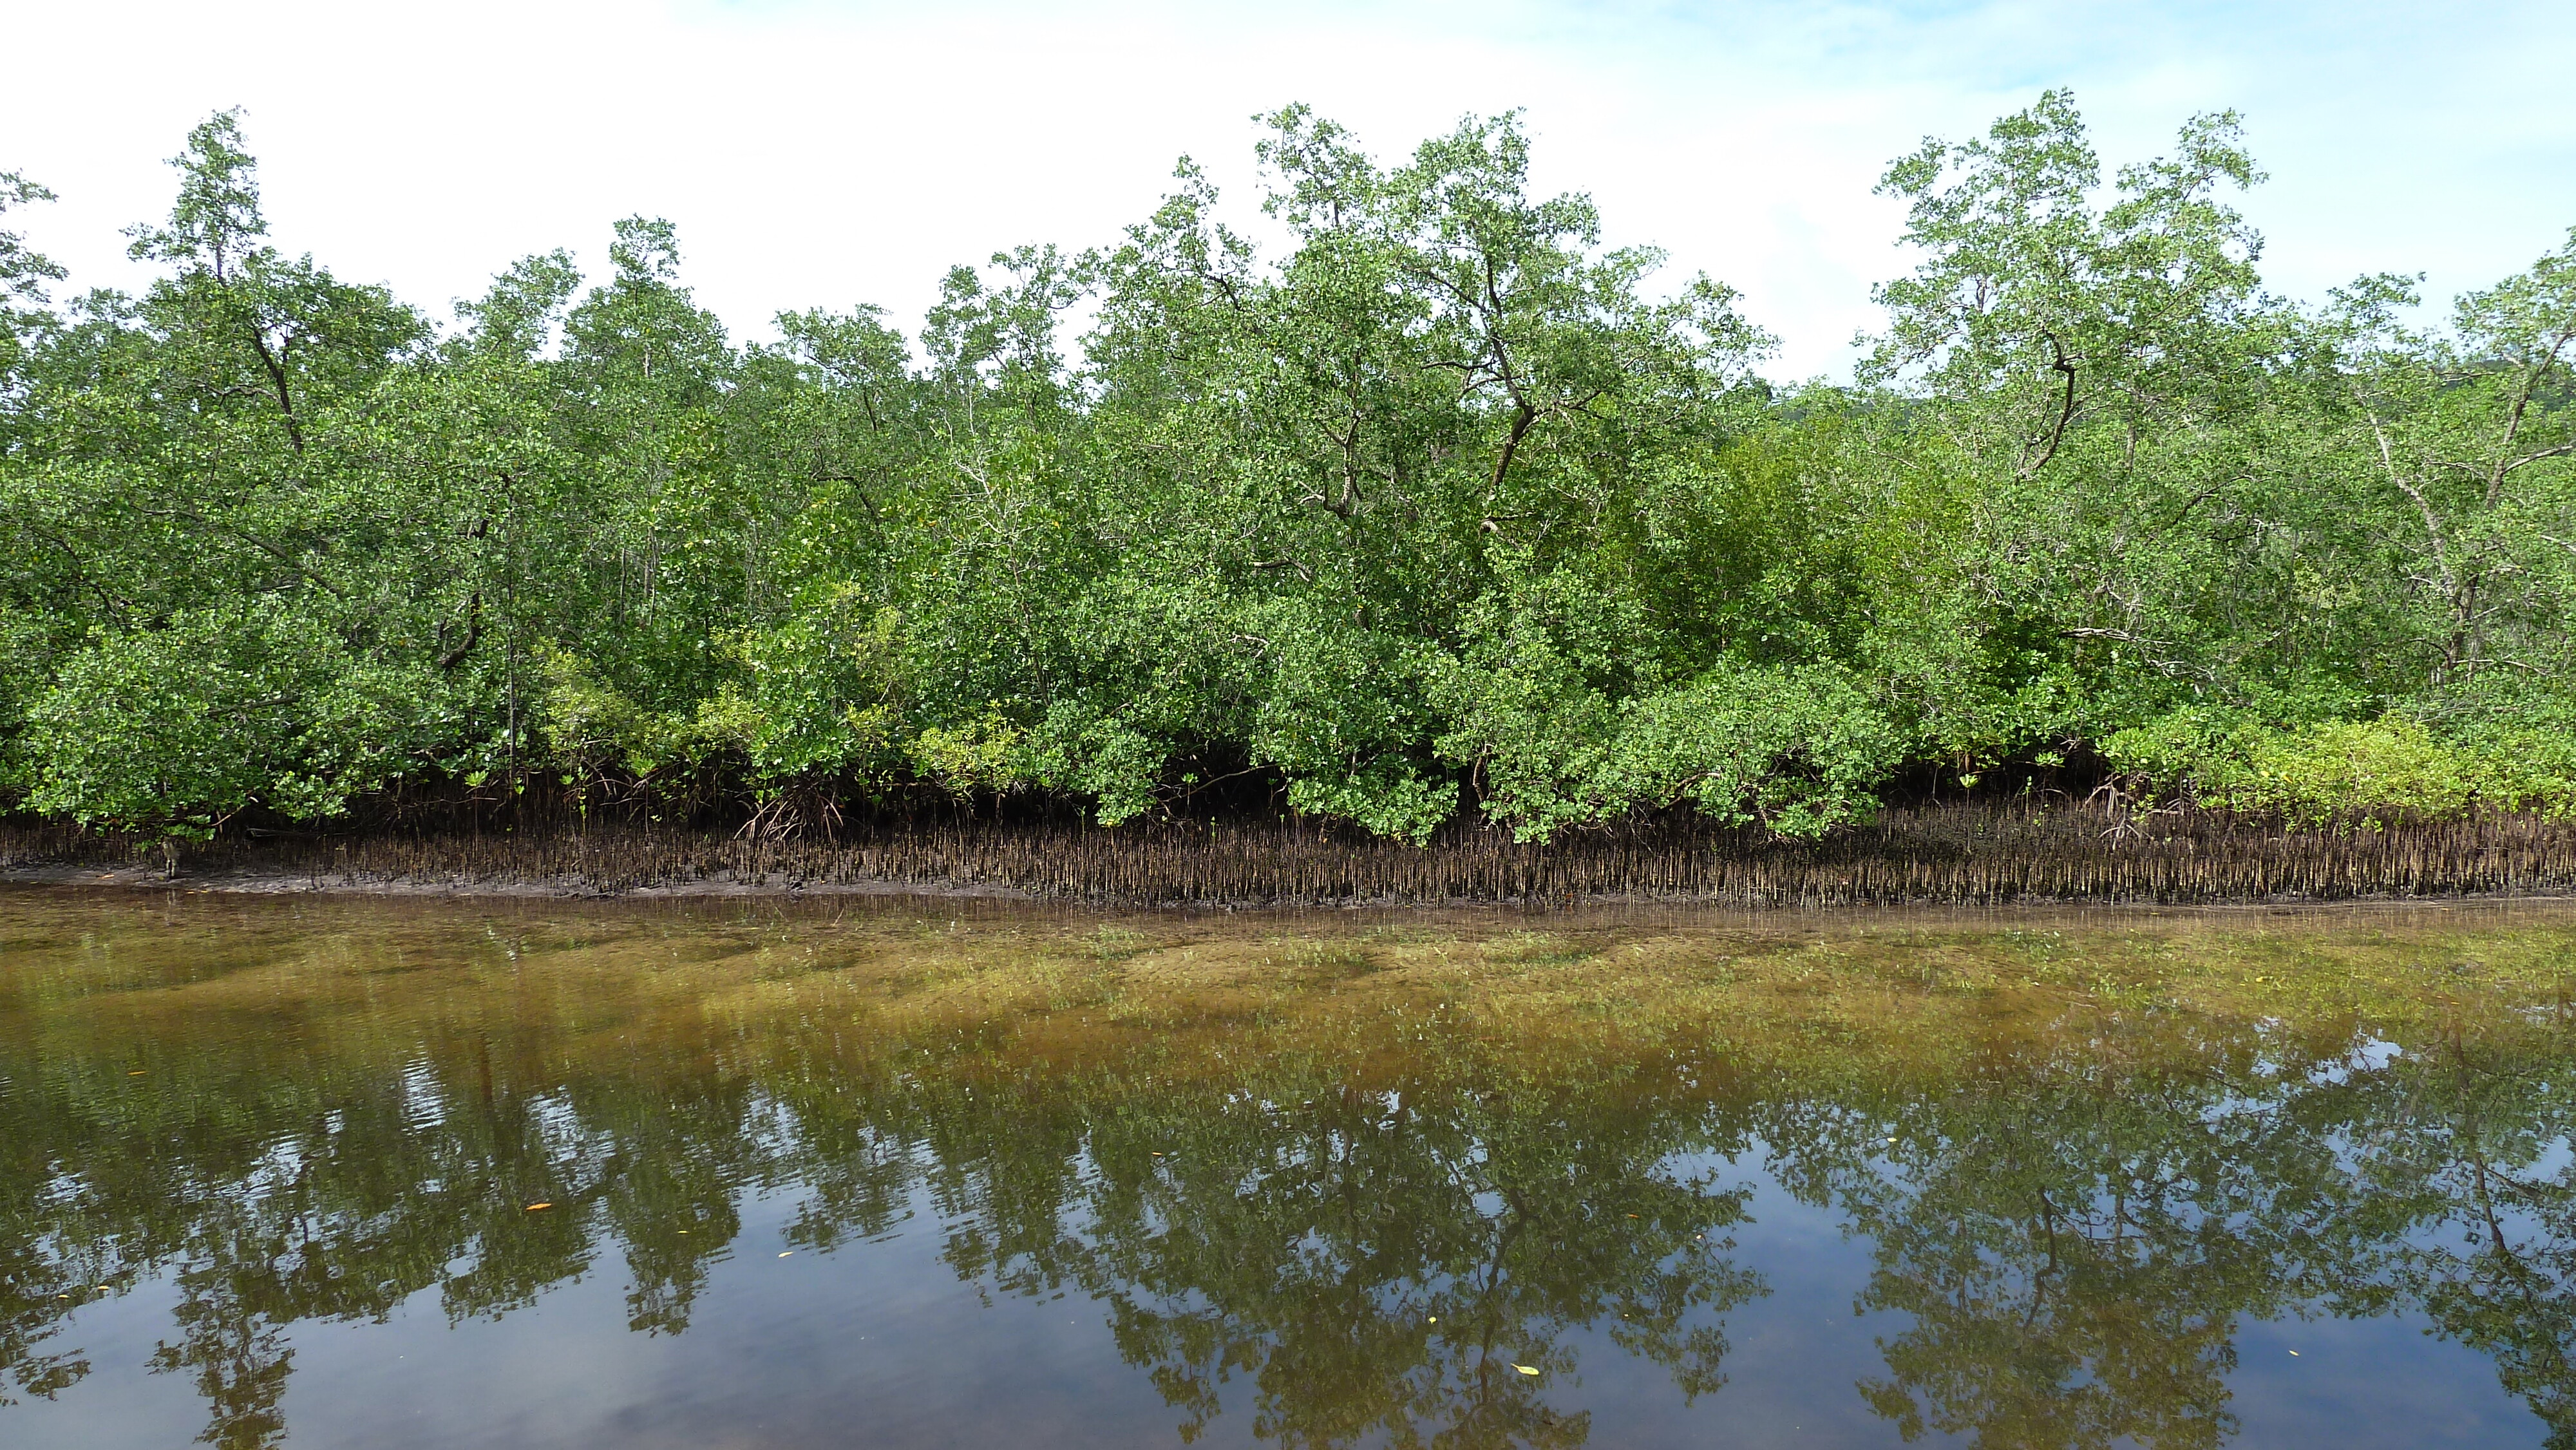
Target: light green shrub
{"points": [[2337, 769], [2371, 769]]}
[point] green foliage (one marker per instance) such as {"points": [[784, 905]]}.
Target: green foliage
{"points": [[2524, 767], [2363, 767], [821, 694], [2352, 769], [183, 727], [1441, 511], [588, 723], [1799, 750], [24, 314]]}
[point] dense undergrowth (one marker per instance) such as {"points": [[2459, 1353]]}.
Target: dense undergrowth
{"points": [[1434, 518]]}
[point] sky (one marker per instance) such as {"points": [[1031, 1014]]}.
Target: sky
{"points": [[816, 153]]}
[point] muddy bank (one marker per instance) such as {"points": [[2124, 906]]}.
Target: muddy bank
{"points": [[258, 879], [1961, 855]]}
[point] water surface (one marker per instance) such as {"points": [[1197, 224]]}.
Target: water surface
{"points": [[372, 1173]]}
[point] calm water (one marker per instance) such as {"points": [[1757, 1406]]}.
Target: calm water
{"points": [[376, 1174]]}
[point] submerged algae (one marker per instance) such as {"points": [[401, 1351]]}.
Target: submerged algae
{"points": [[1371, 1168]]}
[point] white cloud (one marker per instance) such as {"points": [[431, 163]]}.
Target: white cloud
{"points": [[818, 154]]}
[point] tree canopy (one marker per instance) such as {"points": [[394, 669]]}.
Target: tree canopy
{"points": [[1435, 510]]}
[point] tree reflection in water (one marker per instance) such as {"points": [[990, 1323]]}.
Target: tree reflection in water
{"points": [[1373, 1222]]}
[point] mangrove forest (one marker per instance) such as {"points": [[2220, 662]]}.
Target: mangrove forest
{"points": [[1392, 499]]}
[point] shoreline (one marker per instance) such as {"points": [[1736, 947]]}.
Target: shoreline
{"points": [[272, 885], [292, 883], [2018, 854]]}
